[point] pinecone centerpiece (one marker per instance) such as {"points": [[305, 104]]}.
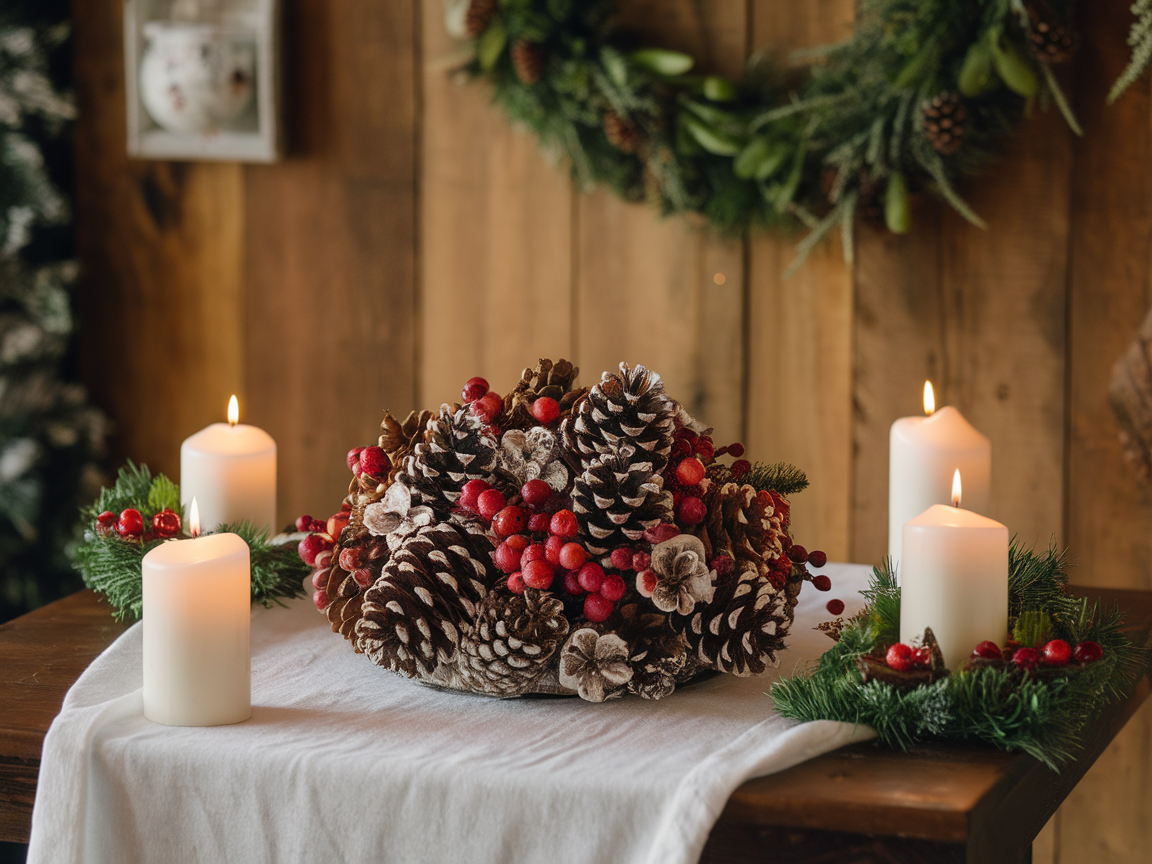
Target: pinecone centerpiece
{"points": [[561, 539]]}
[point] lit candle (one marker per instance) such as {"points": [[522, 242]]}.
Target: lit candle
{"points": [[955, 579], [230, 468], [923, 453], [197, 607]]}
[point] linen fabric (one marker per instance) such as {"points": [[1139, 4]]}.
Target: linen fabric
{"points": [[344, 761]]}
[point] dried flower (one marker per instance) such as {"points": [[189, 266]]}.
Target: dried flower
{"points": [[595, 665], [683, 578], [530, 455], [394, 517]]}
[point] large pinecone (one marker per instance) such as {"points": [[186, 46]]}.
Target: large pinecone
{"points": [[510, 645], [617, 497], [1054, 41], [747, 527], [944, 118], [554, 380], [416, 612], [345, 589], [479, 15], [397, 439], [621, 134], [658, 655], [626, 409], [529, 60], [457, 448]]}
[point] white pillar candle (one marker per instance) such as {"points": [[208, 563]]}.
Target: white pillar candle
{"points": [[230, 468], [923, 454], [955, 580], [197, 608]]}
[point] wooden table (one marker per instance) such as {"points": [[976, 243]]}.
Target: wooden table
{"points": [[861, 804]]}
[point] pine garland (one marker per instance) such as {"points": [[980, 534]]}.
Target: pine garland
{"points": [[1042, 714], [111, 565], [853, 138]]}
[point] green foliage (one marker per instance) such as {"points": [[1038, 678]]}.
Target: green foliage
{"points": [[772, 150], [1039, 713], [111, 565], [1140, 40], [778, 477]]}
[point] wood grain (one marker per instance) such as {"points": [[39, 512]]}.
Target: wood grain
{"points": [[161, 243], [799, 406], [646, 288], [331, 247]]}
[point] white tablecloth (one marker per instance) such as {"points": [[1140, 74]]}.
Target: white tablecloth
{"points": [[343, 761]]}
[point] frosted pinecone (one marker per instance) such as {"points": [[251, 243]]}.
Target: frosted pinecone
{"points": [[457, 448], [658, 655], [617, 497]]}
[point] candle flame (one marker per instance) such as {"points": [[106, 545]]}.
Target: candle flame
{"points": [[956, 488], [194, 518], [233, 411], [929, 398]]}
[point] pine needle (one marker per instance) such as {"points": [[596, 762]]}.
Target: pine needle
{"points": [[780, 477], [1140, 40]]}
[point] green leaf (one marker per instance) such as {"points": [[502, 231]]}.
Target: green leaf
{"points": [[662, 61], [719, 89], [711, 139], [760, 159], [792, 183], [164, 495], [897, 206], [1013, 68], [491, 45], [615, 66], [977, 76]]}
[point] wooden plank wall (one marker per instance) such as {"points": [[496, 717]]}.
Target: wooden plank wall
{"points": [[412, 239]]}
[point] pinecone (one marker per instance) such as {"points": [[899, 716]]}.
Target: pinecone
{"points": [[626, 409], [554, 380], [397, 439], [427, 596], [479, 15], [345, 590], [658, 655], [457, 448], [1053, 41], [510, 645], [529, 60], [618, 496], [747, 527], [621, 133], [944, 117]]}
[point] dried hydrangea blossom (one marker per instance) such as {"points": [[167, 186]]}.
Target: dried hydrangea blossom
{"points": [[683, 578], [595, 665]]}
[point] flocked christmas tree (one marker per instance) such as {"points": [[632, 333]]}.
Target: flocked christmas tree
{"points": [[48, 432]]}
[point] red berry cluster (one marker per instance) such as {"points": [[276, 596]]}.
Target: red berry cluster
{"points": [[1055, 652], [484, 404], [130, 525], [903, 657], [315, 550], [371, 461]]}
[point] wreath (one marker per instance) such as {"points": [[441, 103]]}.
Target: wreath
{"points": [[920, 95]]}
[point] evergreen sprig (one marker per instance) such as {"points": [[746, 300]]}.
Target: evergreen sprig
{"points": [[1043, 715], [1140, 40], [111, 565], [778, 477]]}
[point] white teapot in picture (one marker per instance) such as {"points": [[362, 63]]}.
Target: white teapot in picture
{"points": [[195, 78]]}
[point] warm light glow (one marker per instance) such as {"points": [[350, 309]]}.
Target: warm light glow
{"points": [[929, 398], [956, 488], [194, 515], [719, 279], [233, 411]]}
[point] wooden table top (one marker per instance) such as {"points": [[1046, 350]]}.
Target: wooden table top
{"points": [[940, 802]]}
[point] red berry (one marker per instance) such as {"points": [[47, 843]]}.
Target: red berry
{"points": [[311, 546], [686, 434], [516, 583], [691, 511], [661, 532], [736, 450], [375, 462], [488, 407], [612, 588], [690, 471], [303, 523], [350, 558], [591, 576], [536, 493], [622, 558], [323, 558], [538, 523], [106, 519], [1088, 652], [534, 552], [337, 522], [490, 503], [363, 577], [545, 409], [316, 526], [320, 578], [552, 547], [641, 561], [572, 556], [920, 656], [1026, 658], [722, 564], [817, 559], [471, 492], [597, 608], [706, 449], [797, 554], [130, 523], [166, 523], [680, 449], [518, 542], [899, 657], [835, 606], [646, 582], [564, 524], [474, 388], [507, 558], [821, 583], [353, 457], [320, 599], [989, 650], [1057, 653], [740, 467], [572, 583], [538, 574], [510, 520]]}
